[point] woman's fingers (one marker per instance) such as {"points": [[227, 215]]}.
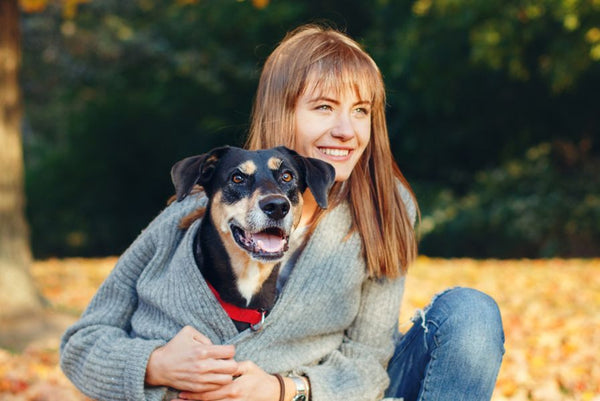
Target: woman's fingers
{"points": [[251, 384], [209, 383], [191, 362], [202, 352], [210, 367]]}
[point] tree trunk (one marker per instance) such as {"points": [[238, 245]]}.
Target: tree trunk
{"points": [[18, 296]]}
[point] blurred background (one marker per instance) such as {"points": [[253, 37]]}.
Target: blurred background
{"points": [[493, 115], [493, 112]]}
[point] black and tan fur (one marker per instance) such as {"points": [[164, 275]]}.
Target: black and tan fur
{"points": [[254, 203]]}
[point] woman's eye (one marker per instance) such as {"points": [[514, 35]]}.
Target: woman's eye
{"points": [[324, 107], [287, 176], [237, 178], [362, 110]]}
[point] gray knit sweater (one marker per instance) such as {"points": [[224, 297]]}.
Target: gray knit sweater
{"points": [[331, 322]]}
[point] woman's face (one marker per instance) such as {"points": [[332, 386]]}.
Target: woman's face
{"points": [[333, 127]]}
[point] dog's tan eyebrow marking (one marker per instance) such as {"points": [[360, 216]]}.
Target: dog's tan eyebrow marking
{"points": [[274, 163], [248, 167]]}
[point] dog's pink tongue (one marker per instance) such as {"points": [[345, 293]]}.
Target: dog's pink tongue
{"points": [[269, 243]]}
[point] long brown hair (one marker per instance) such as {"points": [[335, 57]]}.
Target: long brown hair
{"points": [[328, 60]]}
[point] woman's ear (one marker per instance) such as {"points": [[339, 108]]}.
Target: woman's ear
{"points": [[194, 170], [319, 176]]}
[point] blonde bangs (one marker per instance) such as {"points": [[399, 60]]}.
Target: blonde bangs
{"points": [[343, 69]]}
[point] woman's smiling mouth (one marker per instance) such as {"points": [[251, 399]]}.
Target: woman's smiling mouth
{"points": [[334, 152]]}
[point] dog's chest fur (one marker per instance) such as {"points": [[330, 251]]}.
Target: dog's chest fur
{"points": [[241, 283]]}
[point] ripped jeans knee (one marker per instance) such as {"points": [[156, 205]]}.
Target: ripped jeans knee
{"points": [[463, 312], [456, 341]]}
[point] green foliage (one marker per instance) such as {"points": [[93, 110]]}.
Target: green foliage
{"points": [[473, 83], [481, 79], [117, 94], [545, 204]]}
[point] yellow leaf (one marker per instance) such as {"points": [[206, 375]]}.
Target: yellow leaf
{"points": [[595, 53], [260, 4], [32, 6], [593, 35], [70, 7]]}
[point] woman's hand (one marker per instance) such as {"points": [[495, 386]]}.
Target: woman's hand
{"points": [[251, 383], [190, 362]]}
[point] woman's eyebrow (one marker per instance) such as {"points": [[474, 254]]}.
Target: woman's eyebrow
{"points": [[320, 98]]}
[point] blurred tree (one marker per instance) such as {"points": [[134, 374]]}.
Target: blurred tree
{"points": [[471, 86], [543, 203], [120, 92], [473, 83], [18, 295]]}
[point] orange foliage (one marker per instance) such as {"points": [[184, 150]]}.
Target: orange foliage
{"points": [[69, 7], [33, 6], [186, 2], [549, 307], [34, 375], [260, 4], [550, 315]]}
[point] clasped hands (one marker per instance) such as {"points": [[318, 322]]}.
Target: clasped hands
{"points": [[200, 370]]}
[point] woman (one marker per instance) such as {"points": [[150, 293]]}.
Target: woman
{"points": [[333, 329]]}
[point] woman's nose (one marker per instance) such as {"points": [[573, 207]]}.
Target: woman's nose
{"points": [[343, 128]]}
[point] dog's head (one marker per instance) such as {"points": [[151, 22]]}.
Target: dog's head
{"points": [[255, 197]]}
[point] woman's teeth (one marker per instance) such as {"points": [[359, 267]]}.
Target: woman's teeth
{"points": [[335, 152]]}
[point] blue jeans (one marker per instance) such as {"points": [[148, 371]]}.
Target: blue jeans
{"points": [[452, 352]]}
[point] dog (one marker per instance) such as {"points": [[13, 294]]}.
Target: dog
{"points": [[254, 203]]}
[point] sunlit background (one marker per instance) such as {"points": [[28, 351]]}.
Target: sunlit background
{"points": [[494, 118]]}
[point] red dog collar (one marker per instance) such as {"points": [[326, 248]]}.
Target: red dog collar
{"points": [[254, 317]]}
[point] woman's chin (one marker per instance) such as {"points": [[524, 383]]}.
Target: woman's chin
{"points": [[341, 176]]}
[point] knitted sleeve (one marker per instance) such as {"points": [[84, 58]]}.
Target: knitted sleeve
{"points": [[98, 353], [357, 371]]}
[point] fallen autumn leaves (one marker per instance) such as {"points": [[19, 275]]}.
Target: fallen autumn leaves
{"points": [[549, 307], [550, 315]]}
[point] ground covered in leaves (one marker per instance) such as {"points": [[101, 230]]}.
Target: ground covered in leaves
{"points": [[550, 308]]}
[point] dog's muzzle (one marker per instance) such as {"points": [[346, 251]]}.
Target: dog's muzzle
{"points": [[268, 244], [269, 239]]}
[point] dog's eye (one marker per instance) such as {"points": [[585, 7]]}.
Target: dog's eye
{"points": [[287, 176], [237, 178]]}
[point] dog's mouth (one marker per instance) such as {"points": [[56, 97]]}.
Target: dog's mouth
{"points": [[268, 244]]}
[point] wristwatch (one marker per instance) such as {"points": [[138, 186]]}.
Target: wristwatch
{"points": [[301, 390]]}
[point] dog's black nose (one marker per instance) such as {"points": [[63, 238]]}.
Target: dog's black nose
{"points": [[275, 206]]}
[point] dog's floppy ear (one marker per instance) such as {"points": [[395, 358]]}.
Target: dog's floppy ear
{"points": [[194, 170], [319, 176]]}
